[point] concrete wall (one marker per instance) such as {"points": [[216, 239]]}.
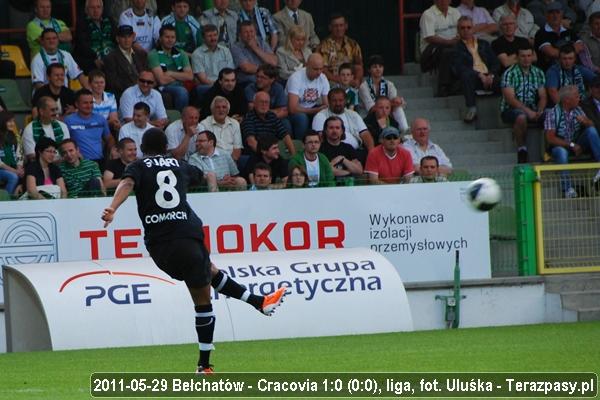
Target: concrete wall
{"points": [[494, 302]]}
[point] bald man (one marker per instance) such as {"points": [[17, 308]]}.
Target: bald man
{"points": [[262, 121], [307, 94]]}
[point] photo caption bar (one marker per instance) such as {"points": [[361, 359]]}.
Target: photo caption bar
{"points": [[344, 384]]}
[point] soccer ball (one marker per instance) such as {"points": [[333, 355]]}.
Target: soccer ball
{"points": [[484, 194]]}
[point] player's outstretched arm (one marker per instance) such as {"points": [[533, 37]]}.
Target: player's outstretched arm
{"points": [[123, 190]]}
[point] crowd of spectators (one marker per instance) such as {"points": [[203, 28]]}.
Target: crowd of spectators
{"points": [[541, 55], [249, 85]]}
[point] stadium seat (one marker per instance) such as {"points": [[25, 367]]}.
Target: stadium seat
{"points": [[283, 151], [12, 97], [14, 54], [173, 115]]}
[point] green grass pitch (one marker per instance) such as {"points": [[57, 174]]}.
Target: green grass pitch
{"points": [[549, 347]]}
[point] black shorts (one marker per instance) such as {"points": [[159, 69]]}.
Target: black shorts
{"points": [[185, 259]]}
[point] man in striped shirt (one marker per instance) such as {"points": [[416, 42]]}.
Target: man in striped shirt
{"points": [[523, 98], [81, 176], [210, 159], [262, 121]]}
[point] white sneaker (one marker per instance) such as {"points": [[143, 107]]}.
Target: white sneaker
{"points": [[597, 177], [570, 193]]}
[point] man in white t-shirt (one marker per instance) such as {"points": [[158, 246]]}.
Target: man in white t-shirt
{"points": [[145, 25], [50, 54], [181, 134], [47, 124], [357, 134], [307, 91], [136, 128]]}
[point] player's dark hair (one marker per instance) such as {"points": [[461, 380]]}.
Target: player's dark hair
{"points": [[265, 142], [426, 158], [181, 1], [154, 142]]}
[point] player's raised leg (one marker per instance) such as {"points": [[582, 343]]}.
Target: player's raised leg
{"points": [[224, 284]]}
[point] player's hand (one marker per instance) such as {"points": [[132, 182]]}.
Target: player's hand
{"points": [[107, 215]]}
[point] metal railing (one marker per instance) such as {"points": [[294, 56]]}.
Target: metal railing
{"points": [[567, 227]]}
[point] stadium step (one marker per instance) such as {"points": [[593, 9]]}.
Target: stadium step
{"points": [[472, 147], [578, 292], [435, 114], [470, 136], [457, 125], [580, 299], [416, 92], [434, 102], [588, 314], [572, 283], [480, 159]]}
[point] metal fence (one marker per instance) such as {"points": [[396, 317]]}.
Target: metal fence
{"points": [[567, 218], [503, 232]]}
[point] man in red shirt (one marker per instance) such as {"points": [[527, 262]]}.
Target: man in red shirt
{"points": [[389, 162]]}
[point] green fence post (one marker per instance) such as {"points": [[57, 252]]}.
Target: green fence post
{"points": [[524, 177]]}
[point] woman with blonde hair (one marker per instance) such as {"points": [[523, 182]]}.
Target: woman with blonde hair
{"points": [[294, 54]]}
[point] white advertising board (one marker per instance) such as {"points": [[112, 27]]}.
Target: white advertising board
{"points": [[416, 227], [115, 303]]}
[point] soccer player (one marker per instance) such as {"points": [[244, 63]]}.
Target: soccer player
{"points": [[174, 236]]}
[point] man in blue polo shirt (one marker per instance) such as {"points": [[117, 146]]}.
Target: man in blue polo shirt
{"points": [[89, 130]]}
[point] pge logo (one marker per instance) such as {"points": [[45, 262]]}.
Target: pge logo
{"points": [[119, 294]]}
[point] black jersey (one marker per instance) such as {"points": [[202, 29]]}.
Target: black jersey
{"points": [[161, 185]]}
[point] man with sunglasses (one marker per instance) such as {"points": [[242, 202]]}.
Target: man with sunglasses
{"points": [[144, 92], [389, 162]]}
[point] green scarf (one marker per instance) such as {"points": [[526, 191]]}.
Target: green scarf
{"points": [[101, 36], [38, 131]]}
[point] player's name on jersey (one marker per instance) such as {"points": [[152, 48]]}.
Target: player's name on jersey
{"points": [[160, 162]]}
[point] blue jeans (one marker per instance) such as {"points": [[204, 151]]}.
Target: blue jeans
{"points": [[589, 142], [11, 179], [300, 123], [180, 95]]}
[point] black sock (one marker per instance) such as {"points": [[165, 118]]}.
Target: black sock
{"points": [[227, 286], [205, 328]]}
